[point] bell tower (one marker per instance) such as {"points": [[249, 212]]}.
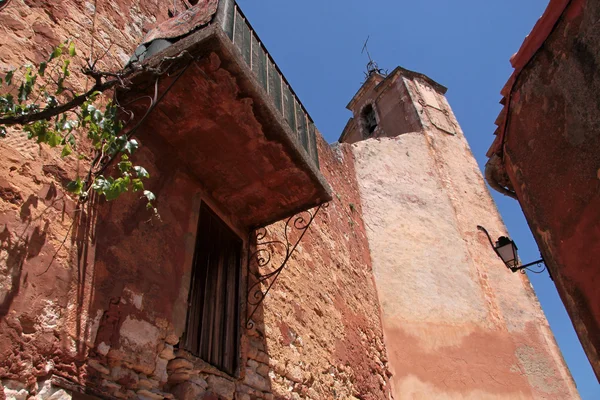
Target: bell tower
{"points": [[457, 323], [401, 102]]}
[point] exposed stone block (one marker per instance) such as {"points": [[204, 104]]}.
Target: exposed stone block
{"points": [[124, 377], [15, 394], [179, 377], [263, 370], [179, 363], [172, 339], [60, 395], [139, 340], [98, 367], [199, 382], [262, 357], [221, 386], [110, 385], [188, 391], [148, 395], [103, 349], [160, 372], [256, 381], [147, 384], [167, 353]]}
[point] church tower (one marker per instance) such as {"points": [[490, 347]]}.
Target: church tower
{"points": [[457, 323]]}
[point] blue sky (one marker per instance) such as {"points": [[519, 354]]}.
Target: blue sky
{"points": [[463, 44]]}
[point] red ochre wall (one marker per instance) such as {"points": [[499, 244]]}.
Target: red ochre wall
{"points": [[98, 295], [551, 155]]}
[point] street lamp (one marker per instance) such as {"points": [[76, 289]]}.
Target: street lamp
{"points": [[506, 249]]}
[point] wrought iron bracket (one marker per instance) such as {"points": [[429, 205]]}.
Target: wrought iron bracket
{"points": [[541, 264], [261, 259]]}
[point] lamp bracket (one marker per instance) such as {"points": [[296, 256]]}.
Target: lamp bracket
{"points": [[522, 268]]}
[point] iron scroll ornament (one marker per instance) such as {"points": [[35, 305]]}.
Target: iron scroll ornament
{"points": [[262, 257], [4, 3]]}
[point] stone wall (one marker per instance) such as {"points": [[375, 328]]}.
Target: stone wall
{"points": [[94, 296], [458, 324], [41, 302], [107, 317], [321, 321]]}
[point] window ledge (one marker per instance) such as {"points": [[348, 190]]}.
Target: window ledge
{"points": [[201, 366]]}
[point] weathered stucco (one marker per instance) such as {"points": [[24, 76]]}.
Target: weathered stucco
{"points": [[549, 143], [93, 297], [457, 323]]}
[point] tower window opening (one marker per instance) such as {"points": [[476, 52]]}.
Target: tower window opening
{"points": [[369, 119]]}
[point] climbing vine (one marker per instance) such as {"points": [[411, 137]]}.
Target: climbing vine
{"points": [[40, 101]]}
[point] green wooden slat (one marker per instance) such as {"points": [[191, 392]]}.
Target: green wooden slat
{"points": [[238, 38], [301, 122], [312, 134], [228, 18], [288, 106], [274, 85], [259, 64]]}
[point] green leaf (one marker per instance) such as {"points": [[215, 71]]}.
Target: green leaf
{"points": [[9, 76], [66, 151], [149, 195], [42, 68], [131, 146], [125, 166], [118, 187], [141, 172], [51, 102], [72, 51], [65, 69], [94, 95], [137, 185], [75, 186], [57, 52], [60, 85], [101, 184]]}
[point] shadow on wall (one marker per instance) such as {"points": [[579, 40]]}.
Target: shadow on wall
{"points": [[40, 333], [20, 243], [133, 301]]}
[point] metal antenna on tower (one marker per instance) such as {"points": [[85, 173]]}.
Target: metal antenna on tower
{"points": [[372, 66]]}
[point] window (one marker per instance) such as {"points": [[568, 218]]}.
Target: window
{"points": [[369, 119], [212, 331]]}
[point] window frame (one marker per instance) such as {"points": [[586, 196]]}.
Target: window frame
{"points": [[238, 294]]}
